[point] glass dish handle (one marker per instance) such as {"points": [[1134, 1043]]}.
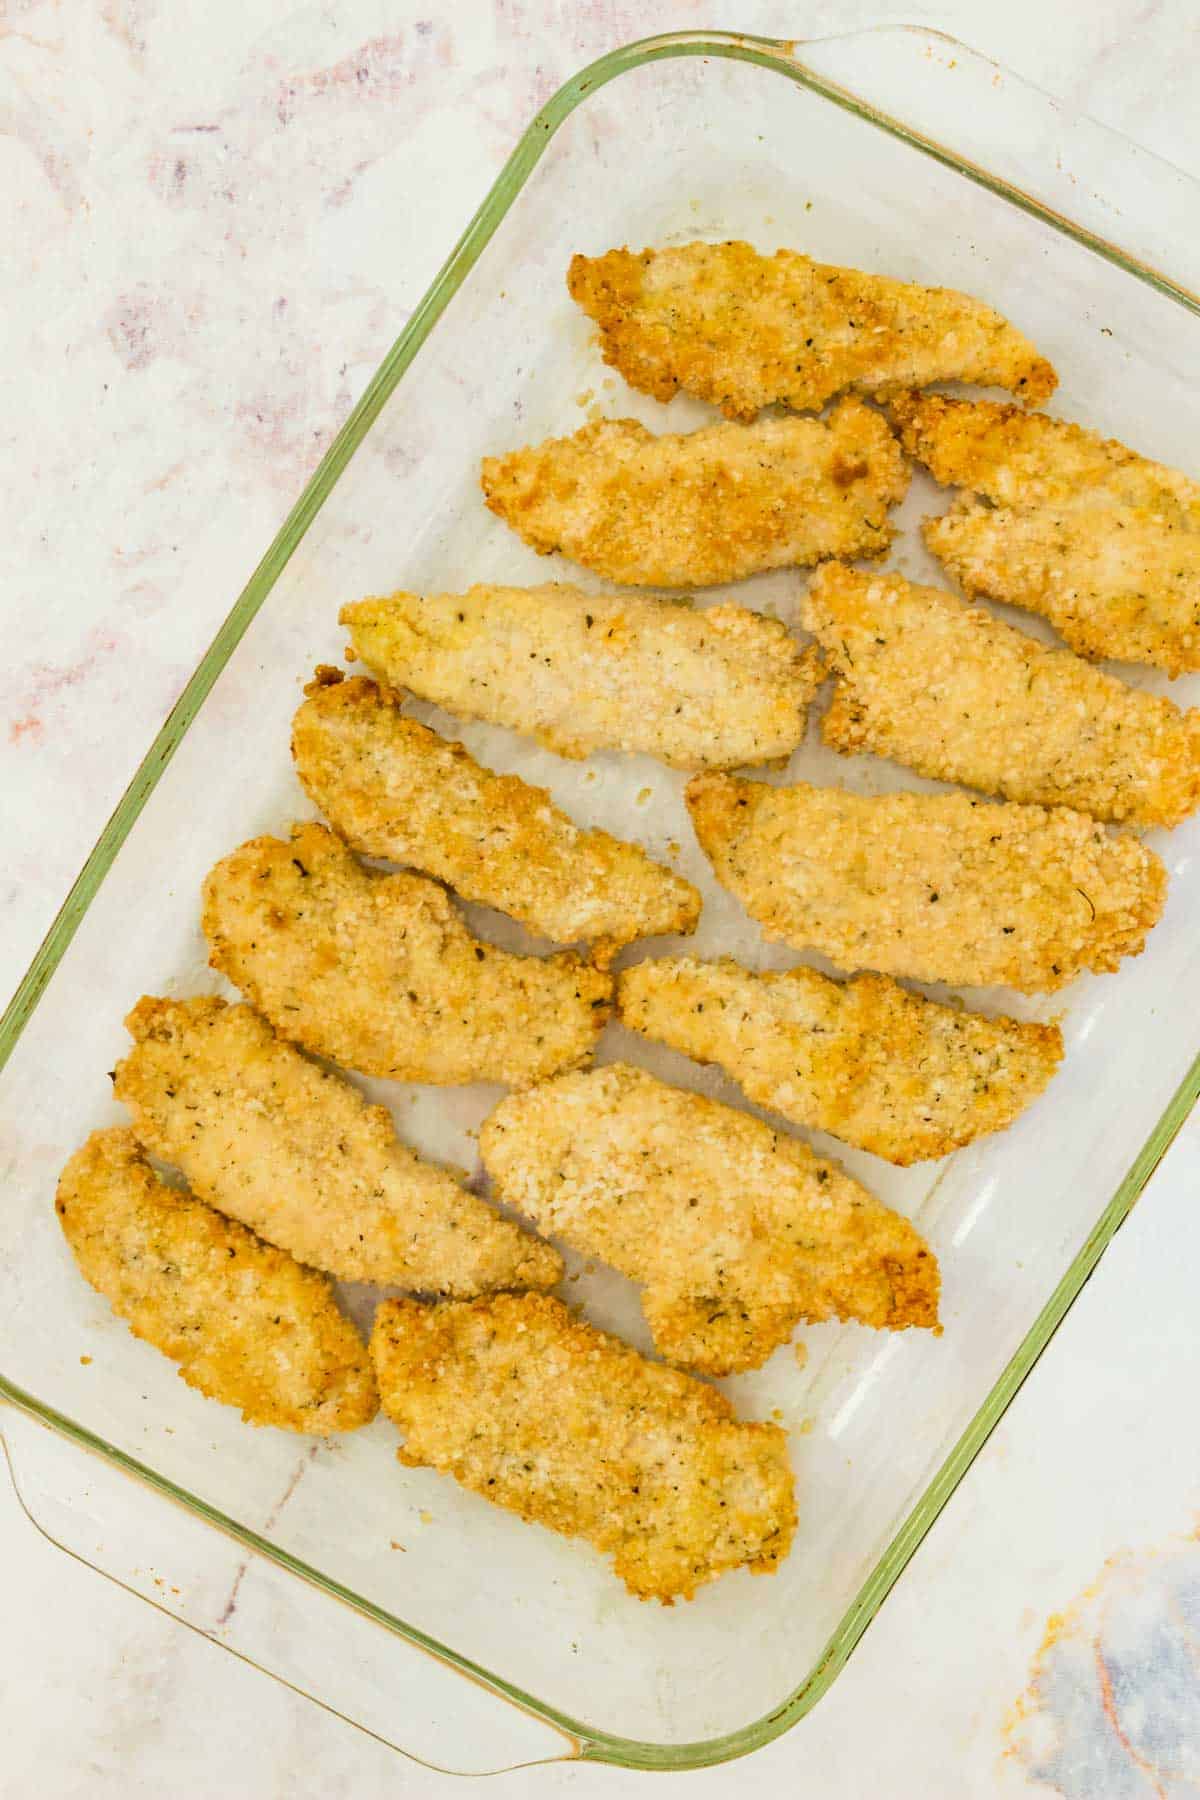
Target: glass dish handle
{"points": [[1134, 206], [240, 1600]]}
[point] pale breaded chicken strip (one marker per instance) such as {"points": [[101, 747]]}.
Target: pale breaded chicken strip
{"points": [[865, 1060], [1100, 541], [744, 330], [294, 1152], [719, 688], [543, 1415], [395, 789], [939, 887], [379, 972], [245, 1322], [737, 1232], [713, 505], [957, 695]]}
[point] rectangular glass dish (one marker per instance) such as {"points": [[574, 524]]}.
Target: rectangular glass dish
{"points": [[689, 136]]}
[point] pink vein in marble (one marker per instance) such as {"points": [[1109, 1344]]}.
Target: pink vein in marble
{"points": [[44, 685], [1112, 1711]]}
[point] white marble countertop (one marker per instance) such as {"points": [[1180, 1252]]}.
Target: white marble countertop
{"points": [[185, 330]]}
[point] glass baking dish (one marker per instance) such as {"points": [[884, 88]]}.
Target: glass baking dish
{"points": [[893, 150]]}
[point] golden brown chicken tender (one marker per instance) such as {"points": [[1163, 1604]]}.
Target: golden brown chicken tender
{"points": [[1100, 541], [378, 972], [295, 1153], [246, 1323], [720, 688], [711, 506], [956, 694], [939, 887], [542, 1414], [737, 1232], [744, 330], [395, 789], [866, 1060]]}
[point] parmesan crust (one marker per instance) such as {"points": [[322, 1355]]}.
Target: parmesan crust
{"points": [[744, 330], [1100, 541], [721, 688], [294, 1152], [711, 506], [378, 972], [549, 1418], [737, 1231], [956, 694], [865, 1060], [395, 789], [939, 887], [246, 1323]]}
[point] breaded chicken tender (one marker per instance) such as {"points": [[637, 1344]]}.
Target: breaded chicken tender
{"points": [[378, 972], [395, 789], [744, 330], [737, 1232], [1100, 541], [542, 1414], [719, 688], [957, 695], [246, 1323], [939, 887], [713, 505], [294, 1152], [866, 1060]]}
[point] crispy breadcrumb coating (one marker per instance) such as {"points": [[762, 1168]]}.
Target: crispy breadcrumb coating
{"points": [[737, 1231], [379, 972], [294, 1152], [710, 506], [544, 1415], [939, 887], [956, 694], [721, 688], [866, 1060], [1100, 541], [247, 1324], [744, 330], [395, 789]]}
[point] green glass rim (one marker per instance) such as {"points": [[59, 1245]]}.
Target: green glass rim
{"points": [[585, 1742]]}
